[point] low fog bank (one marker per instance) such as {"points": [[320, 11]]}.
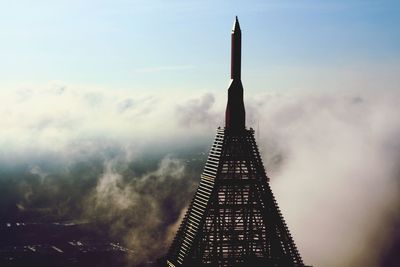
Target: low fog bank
{"points": [[334, 163], [123, 161]]}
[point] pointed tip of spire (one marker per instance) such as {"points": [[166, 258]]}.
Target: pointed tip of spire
{"points": [[236, 25]]}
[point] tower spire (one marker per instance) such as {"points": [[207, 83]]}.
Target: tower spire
{"points": [[233, 219], [236, 50], [235, 115]]}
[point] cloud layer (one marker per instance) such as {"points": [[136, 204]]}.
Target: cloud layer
{"points": [[333, 159], [337, 175]]}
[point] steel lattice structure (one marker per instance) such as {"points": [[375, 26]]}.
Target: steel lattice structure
{"points": [[233, 219]]}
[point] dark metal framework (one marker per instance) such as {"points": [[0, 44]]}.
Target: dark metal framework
{"points": [[233, 219]]}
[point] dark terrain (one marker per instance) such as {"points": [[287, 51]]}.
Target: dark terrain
{"points": [[58, 244]]}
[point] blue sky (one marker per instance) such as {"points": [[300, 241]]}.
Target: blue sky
{"points": [[158, 45]]}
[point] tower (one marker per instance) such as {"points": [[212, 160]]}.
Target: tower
{"points": [[233, 219]]}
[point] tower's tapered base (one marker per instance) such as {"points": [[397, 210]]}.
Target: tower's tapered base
{"points": [[233, 219]]}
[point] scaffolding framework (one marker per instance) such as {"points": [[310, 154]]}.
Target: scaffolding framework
{"points": [[233, 219]]}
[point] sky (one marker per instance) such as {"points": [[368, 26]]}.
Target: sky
{"points": [[185, 44], [87, 88]]}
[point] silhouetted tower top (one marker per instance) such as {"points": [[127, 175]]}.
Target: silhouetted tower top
{"points": [[236, 50], [233, 219], [235, 115]]}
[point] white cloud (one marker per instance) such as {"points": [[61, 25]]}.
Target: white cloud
{"points": [[332, 156], [337, 181], [56, 116]]}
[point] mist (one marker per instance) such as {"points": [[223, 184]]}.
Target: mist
{"points": [[334, 168], [130, 164]]}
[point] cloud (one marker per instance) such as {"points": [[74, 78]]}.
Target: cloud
{"points": [[332, 156], [141, 209], [132, 201], [197, 111], [337, 178], [58, 117]]}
